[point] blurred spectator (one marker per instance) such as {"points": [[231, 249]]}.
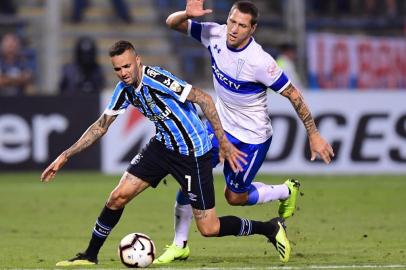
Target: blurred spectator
{"points": [[329, 7], [8, 8], [120, 7], [286, 60], [369, 8], [375, 7], [16, 73], [84, 75]]}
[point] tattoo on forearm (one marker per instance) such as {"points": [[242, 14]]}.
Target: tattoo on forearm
{"points": [[92, 134], [209, 109], [297, 100]]}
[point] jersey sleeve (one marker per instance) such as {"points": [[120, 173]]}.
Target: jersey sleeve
{"points": [[118, 102], [202, 31], [271, 75], [164, 81]]}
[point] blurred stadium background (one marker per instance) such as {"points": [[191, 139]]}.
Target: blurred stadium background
{"points": [[350, 62]]}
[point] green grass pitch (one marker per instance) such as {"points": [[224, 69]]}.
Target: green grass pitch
{"points": [[354, 221]]}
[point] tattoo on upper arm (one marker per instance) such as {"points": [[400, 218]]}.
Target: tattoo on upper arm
{"points": [[297, 100], [199, 214]]}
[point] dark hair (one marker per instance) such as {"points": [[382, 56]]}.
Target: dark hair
{"points": [[247, 7], [120, 47]]}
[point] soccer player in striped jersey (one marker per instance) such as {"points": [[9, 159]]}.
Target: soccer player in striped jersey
{"points": [[242, 73], [181, 147]]}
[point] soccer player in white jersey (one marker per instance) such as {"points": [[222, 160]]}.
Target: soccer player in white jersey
{"points": [[242, 73]]}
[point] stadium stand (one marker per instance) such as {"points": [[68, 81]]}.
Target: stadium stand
{"points": [[184, 56], [148, 31]]}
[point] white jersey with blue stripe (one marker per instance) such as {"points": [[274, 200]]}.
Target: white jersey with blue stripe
{"points": [[241, 78], [161, 97]]}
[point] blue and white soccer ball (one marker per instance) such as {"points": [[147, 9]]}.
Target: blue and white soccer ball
{"points": [[136, 250]]}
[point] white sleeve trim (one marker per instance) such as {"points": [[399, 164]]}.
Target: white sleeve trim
{"points": [[113, 112], [284, 87], [185, 92]]}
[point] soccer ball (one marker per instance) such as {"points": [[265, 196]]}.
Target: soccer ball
{"points": [[136, 250]]}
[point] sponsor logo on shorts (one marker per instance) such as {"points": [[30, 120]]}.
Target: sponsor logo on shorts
{"points": [[136, 159], [192, 196]]}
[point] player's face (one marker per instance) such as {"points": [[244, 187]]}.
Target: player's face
{"points": [[239, 29], [127, 67]]}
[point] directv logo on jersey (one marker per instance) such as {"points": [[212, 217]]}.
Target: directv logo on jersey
{"points": [[224, 79], [152, 73]]}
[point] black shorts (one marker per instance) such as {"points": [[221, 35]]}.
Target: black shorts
{"points": [[194, 174]]}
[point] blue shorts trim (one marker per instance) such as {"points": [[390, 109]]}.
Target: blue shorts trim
{"points": [[240, 182]]}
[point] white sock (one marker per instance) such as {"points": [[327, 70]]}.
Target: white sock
{"points": [[183, 218], [268, 193]]}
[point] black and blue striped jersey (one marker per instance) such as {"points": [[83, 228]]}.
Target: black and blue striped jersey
{"points": [[161, 97]]}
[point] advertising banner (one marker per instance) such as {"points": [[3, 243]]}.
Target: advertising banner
{"points": [[34, 130], [366, 129], [348, 61]]}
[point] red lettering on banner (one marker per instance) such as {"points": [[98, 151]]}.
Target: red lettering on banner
{"points": [[386, 77], [400, 65], [365, 59], [340, 65], [372, 62], [321, 71]]}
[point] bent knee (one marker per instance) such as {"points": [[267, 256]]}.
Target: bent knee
{"points": [[235, 199], [209, 231], [117, 200]]}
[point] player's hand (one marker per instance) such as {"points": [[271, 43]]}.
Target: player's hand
{"points": [[194, 8], [319, 146], [234, 156], [50, 172]]}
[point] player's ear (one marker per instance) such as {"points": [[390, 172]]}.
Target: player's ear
{"points": [[138, 59], [254, 27]]}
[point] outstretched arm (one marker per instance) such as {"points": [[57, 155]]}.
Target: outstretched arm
{"points": [[227, 150], [318, 145], [178, 20], [91, 135]]}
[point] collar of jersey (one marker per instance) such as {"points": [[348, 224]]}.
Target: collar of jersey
{"points": [[243, 48], [136, 90]]}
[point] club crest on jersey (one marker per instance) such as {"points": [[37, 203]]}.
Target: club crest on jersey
{"points": [[136, 102], [239, 67]]}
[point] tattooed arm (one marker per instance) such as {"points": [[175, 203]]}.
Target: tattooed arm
{"points": [[91, 135], [227, 150], [318, 145]]}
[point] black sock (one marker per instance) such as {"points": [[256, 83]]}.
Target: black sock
{"points": [[229, 225], [104, 224], [232, 225]]}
